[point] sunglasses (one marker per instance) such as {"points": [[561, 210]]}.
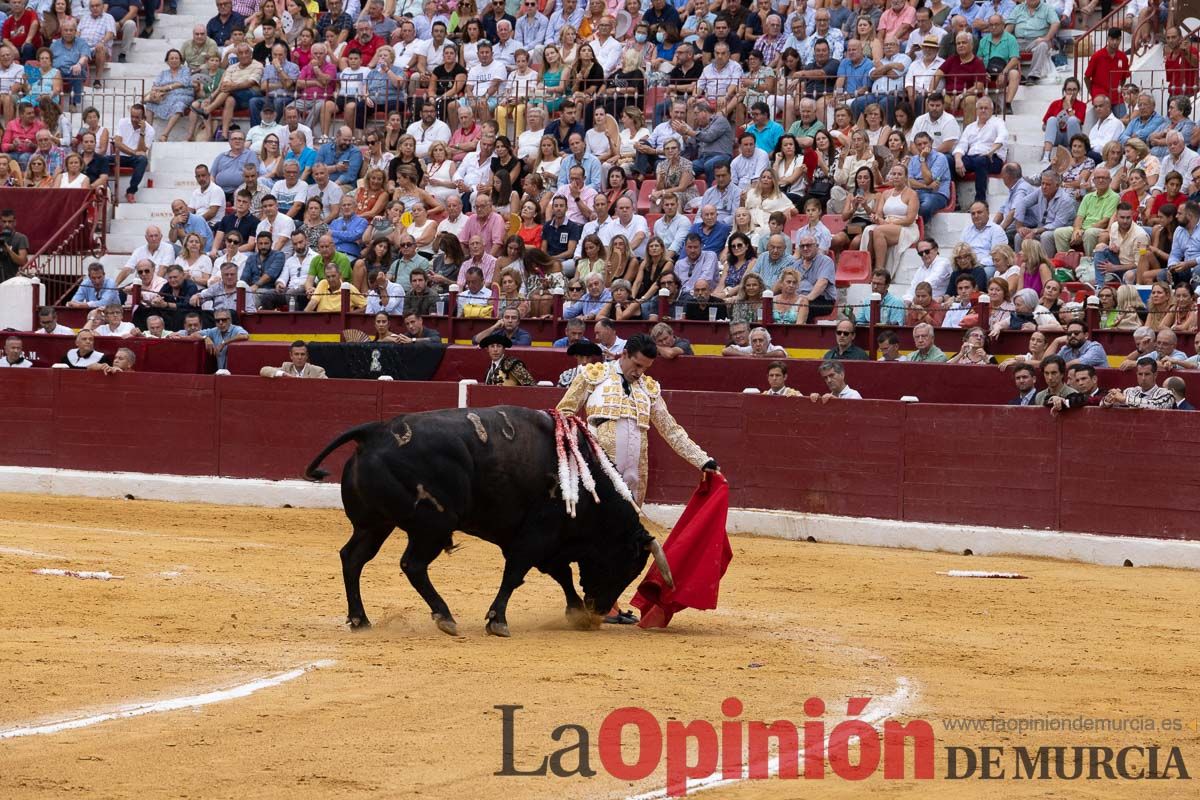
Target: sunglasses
{"points": [[844, 333], [925, 252], [143, 272], [574, 288]]}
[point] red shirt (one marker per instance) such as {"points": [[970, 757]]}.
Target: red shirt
{"points": [[1106, 72], [367, 50], [1132, 198], [1078, 108], [16, 29], [1182, 77], [1162, 198], [959, 76]]}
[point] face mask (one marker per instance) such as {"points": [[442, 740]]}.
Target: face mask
{"points": [[660, 36], [639, 37]]}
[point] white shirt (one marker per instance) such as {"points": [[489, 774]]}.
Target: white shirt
{"points": [[936, 275], [288, 196], [745, 171], [15, 74], [978, 140], [395, 304], [24, 362], [527, 143], [331, 197], [164, 256], [848, 394], [295, 271], [284, 225], [437, 132], [129, 137], [636, 225], [920, 74], [944, 129], [203, 198], [1104, 131], [521, 86], [124, 329], [454, 228], [614, 349], [286, 132], [609, 55], [1187, 161], [480, 78], [471, 172], [715, 82], [59, 330], [506, 53], [405, 53], [916, 37], [353, 82], [255, 136]]}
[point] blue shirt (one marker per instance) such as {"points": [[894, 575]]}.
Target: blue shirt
{"points": [[939, 167], [715, 239], [768, 137], [220, 32], [65, 57], [197, 225], [306, 158], [726, 202], [97, 298], [674, 231], [1143, 128], [588, 305], [891, 311], [351, 157], [591, 169], [214, 334], [770, 271], [1185, 246], [856, 77], [255, 268], [1089, 353], [347, 234]]}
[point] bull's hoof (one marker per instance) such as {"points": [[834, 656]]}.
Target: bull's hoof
{"points": [[446, 625], [495, 628], [358, 623], [581, 619]]}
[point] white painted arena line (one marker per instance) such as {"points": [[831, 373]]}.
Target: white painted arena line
{"points": [[82, 574], [934, 537], [881, 709], [158, 706], [20, 551], [129, 532]]}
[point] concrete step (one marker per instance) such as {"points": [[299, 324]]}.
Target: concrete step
{"points": [[182, 157], [143, 211], [161, 194], [125, 242]]}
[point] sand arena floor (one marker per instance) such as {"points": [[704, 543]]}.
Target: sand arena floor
{"points": [[214, 597]]}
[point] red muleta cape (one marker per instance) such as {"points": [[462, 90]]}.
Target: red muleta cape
{"points": [[698, 553]]}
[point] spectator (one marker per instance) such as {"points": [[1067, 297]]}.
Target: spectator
{"points": [[327, 296], [1178, 389], [844, 348], [383, 296], [889, 346], [670, 346], [1117, 252], [941, 127], [1144, 123], [97, 291], [1107, 69], [1043, 212], [834, 375], [327, 254], [48, 323], [595, 302], [894, 222], [747, 166], [777, 381], [114, 324], [695, 264], [1083, 378], [1025, 379], [474, 298], [20, 134], [982, 148], [14, 354], [227, 167], [222, 295], [965, 77], [1058, 396], [1035, 25], [1077, 347], [929, 175], [605, 335], [964, 299], [84, 354], [818, 287], [981, 236], [297, 366], [575, 330], [739, 340], [701, 305], [99, 30], [891, 309], [221, 27], [1179, 158], [926, 351], [218, 338], [347, 229], [1092, 218], [509, 325], [1146, 394]]}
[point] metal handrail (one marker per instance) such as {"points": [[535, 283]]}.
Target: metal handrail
{"points": [[82, 235]]}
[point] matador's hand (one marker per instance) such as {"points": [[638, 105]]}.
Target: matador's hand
{"points": [[710, 466]]}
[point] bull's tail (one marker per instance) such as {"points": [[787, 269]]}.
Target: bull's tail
{"points": [[314, 473]]}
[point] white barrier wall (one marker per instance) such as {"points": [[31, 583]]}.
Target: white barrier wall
{"points": [[17, 303]]}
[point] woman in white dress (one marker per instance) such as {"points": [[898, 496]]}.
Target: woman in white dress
{"points": [[72, 176], [439, 178], [195, 262], [766, 198], [422, 229], [633, 130], [895, 226], [603, 138]]}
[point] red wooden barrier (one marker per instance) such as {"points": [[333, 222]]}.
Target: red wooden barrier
{"points": [[153, 355], [986, 465]]}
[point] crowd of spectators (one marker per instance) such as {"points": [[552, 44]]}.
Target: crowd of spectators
{"points": [[509, 152]]}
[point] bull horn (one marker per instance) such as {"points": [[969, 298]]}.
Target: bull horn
{"points": [[660, 561]]}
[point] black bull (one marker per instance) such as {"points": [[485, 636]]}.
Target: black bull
{"points": [[490, 473]]}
